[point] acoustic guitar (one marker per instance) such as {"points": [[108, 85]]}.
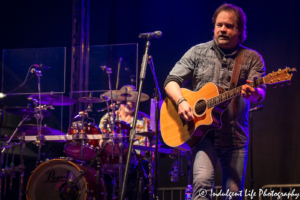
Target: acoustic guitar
{"points": [[207, 104]]}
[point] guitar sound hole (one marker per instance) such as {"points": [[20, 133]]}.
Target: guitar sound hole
{"points": [[200, 107]]}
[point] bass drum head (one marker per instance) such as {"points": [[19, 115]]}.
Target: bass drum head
{"points": [[51, 180]]}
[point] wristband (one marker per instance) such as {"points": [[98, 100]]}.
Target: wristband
{"points": [[182, 99], [259, 99]]}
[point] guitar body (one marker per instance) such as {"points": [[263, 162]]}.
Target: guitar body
{"points": [[185, 135]]}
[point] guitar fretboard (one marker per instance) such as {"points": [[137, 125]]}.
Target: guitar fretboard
{"points": [[225, 96]]}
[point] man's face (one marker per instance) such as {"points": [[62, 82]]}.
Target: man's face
{"points": [[129, 107], [226, 33]]}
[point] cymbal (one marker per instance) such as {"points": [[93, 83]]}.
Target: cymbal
{"points": [[146, 134], [127, 96], [90, 100], [55, 100], [31, 130], [22, 111]]}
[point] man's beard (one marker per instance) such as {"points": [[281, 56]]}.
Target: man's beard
{"points": [[223, 39], [129, 110]]}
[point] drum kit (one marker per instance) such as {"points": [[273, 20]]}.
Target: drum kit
{"points": [[91, 153]]}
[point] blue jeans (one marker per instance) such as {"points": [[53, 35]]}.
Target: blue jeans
{"points": [[233, 165]]}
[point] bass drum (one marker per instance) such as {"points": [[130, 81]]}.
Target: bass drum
{"points": [[55, 179]]}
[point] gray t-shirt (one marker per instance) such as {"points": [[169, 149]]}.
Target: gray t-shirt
{"points": [[205, 63]]}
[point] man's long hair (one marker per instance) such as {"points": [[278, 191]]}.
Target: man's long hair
{"points": [[241, 18]]}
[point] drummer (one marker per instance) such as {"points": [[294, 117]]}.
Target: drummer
{"points": [[126, 113]]}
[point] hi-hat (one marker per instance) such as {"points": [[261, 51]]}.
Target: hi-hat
{"points": [[23, 111], [126, 96], [55, 100], [31, 130]]}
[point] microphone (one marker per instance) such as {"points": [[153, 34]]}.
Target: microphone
{"points": [[260, 107], [156, 34], [42, 66], [34, 71]]}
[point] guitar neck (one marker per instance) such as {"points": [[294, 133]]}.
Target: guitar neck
{"points": [[225, 96]]}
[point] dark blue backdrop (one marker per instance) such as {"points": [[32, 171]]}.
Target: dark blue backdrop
{"points": [[273, 30]]}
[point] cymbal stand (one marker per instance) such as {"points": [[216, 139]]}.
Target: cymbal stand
{"points": [[12, 166], [151, 174], [107, 105], [39, 118], [132, 77], [99, 177], [6, 169], [90, 105], [1, 172], [122, 142], [11, 137], [81, 133], [21, 166], [114, 188], [98, 158], [157, 98], [108, 71], [133, 130]]}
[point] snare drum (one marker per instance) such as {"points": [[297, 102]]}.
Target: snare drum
{"points": [[73, 148], [53, 180]]}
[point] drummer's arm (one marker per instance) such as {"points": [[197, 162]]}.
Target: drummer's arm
{"points": [[101, 126]]}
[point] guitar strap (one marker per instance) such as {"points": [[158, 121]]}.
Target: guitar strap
{"points": [[236, 69], [235, 77]]}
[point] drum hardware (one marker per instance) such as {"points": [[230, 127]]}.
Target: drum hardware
{"points": [[6, 171], [12, 166], [151, 174], [98, 158], [57, 179], [114, 188], [54, 100], [108, 72], [149, 134], [121, 141], [118, 75], [12, 169], [130, 75], [82, 147], [116, 105], [125, 96], [30, 130], [25, 111], [90, 99]]}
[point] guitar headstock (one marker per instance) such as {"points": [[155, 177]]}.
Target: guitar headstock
{"points": [[281, 76]]}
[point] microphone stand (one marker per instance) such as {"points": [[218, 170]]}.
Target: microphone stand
{"points": [[133, 130], [157, 98]]}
